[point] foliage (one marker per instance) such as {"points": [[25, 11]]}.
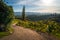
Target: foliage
{"points": [[48, 26], [6, 15]]}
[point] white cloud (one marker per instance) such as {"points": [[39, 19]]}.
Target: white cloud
{"points": [[50, 6], [38, 2], [24, 2]]}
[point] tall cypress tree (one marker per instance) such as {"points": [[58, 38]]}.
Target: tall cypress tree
{"points": [[23, 13]]}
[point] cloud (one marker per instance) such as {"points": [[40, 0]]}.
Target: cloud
{"points": [[35, 5], [24, 2], [45, 9]]}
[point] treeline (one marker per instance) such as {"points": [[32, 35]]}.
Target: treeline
{"points": [[37, 17]]}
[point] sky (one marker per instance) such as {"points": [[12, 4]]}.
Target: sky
{"points": [[35, 5]]}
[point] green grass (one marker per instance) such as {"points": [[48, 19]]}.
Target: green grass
{"points": [[57, 35], [9, 29], [2, 34]]}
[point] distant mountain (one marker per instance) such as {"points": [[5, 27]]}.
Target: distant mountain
{"points": [[34, 16], [43, 17], [30, 13]]}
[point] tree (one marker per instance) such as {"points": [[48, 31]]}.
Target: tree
{"points": [[6, 15], [23, 13], [0, 0]]}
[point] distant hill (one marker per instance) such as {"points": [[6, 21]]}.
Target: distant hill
{"points": [[34, 16], [43, 17], [30, 13]]}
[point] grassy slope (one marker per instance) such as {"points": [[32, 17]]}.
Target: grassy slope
{"points": [[4, 34], [9, 28]]}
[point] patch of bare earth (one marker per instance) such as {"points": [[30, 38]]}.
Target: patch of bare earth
{"points": [[21, 33]]}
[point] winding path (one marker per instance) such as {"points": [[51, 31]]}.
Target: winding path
{"points": [[21, 33]]}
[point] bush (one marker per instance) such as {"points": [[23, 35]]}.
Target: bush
{"points": [[50, 27]]}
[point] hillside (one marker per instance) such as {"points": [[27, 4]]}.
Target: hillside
{"points": [[21, 33], [28, 26]]}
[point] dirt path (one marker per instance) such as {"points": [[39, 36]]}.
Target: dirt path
{"points": [[21, 33]]}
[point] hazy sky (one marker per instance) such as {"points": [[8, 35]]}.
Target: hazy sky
{"points": [[35, 5]]}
